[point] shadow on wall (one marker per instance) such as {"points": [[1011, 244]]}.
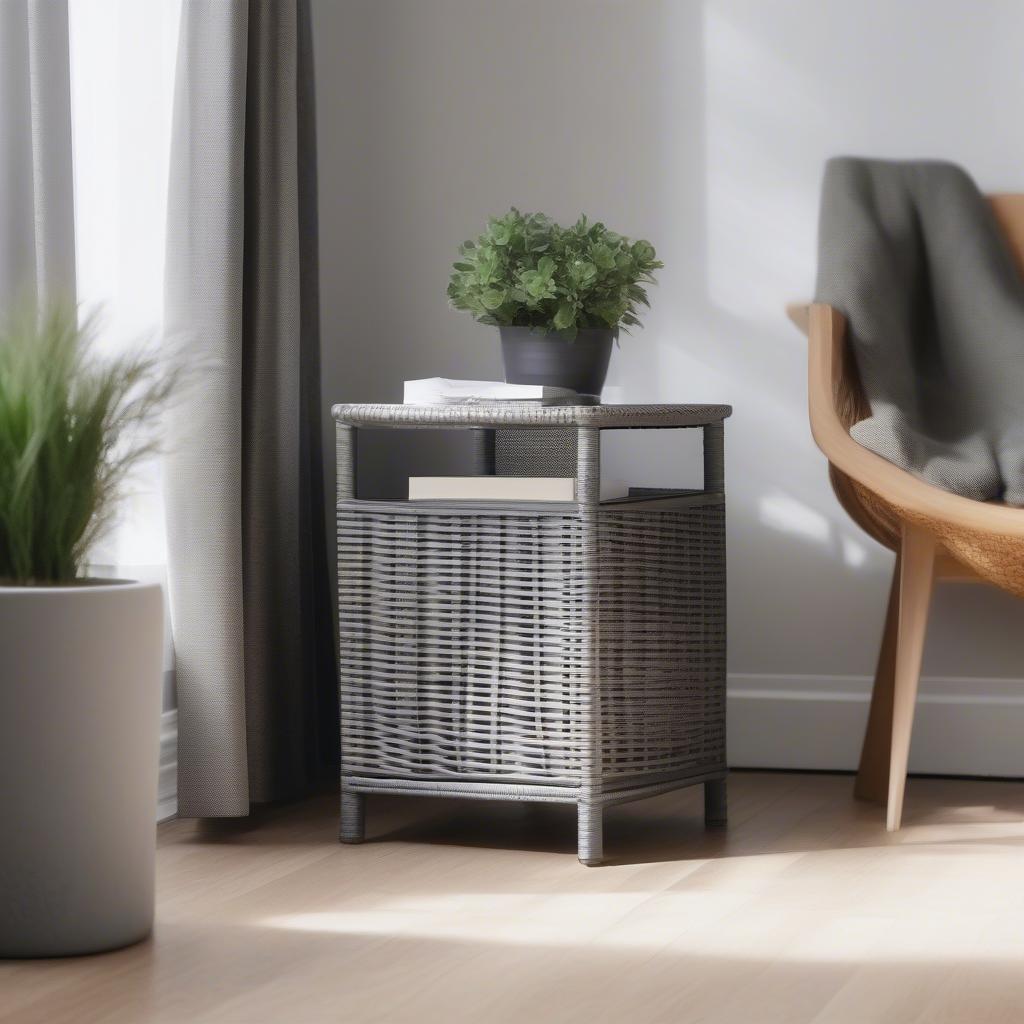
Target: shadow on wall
{"points": [[703, 127]]}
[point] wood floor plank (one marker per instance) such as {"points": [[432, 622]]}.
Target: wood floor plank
{"points": [[803, 910]]}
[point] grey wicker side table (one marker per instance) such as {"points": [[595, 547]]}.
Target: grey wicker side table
{"points": [[570, 652]]}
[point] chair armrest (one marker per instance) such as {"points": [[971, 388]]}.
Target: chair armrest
{"points": [[915, 498]]}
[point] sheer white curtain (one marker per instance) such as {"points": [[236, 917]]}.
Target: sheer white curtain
{"points": [[122, 58], [122, 62], [86, 95], [37, 230]]}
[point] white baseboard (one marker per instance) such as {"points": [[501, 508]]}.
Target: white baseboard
{"points": [[167, 792], [961, 727]]}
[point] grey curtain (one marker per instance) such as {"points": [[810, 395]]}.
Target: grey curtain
{"points": [[247, 561], [37, 216]]}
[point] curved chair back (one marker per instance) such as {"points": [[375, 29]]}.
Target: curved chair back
{"points": [[935, 533]]}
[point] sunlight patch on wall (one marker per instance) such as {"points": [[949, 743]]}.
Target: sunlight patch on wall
{"points": [[788, 515], [854, 553], [761, 221]]}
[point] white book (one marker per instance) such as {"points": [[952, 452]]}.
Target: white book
{"points": [[491, 488], [445, 391]]}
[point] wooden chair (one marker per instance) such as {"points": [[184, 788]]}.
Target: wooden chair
{"points": [[936, 535]]}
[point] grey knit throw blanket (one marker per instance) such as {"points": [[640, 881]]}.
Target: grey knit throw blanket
{"points": [[911, 255]]}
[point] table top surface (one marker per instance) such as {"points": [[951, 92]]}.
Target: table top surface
{"points": [[530, 414]]}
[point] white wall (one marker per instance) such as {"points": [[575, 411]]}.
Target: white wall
{"points": [[703, 127]]}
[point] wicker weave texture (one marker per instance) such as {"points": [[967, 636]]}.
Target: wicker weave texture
{"points": [[661, 642], [468, 645]]}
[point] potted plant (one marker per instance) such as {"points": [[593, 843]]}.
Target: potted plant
{"points": [[558, 295], [80, 659]]}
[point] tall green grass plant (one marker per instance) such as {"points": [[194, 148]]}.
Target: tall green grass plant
{"points": [[72, 427]]}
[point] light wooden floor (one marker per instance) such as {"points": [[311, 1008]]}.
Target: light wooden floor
{"points": [[803, 910]]}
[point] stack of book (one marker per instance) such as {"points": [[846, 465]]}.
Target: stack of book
{"points": [[444, 391], [492, 488]]}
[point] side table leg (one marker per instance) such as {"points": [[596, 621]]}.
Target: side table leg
{"points": [[588, 495], [716, 803], [353, 817], [714, 458], [590, 834]]}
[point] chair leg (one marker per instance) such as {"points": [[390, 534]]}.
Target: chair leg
{"points": [[716, 804], [353, 817], [917, 571], [590, 834], [873, 773]]}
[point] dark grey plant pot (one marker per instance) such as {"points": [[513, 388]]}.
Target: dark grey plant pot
{"points": [[534, 358]]}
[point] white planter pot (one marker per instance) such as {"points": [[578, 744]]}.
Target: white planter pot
{"points": [[80, 674]]}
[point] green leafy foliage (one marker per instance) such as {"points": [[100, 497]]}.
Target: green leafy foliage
{"points": [[527, 271], [72, 426]]}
